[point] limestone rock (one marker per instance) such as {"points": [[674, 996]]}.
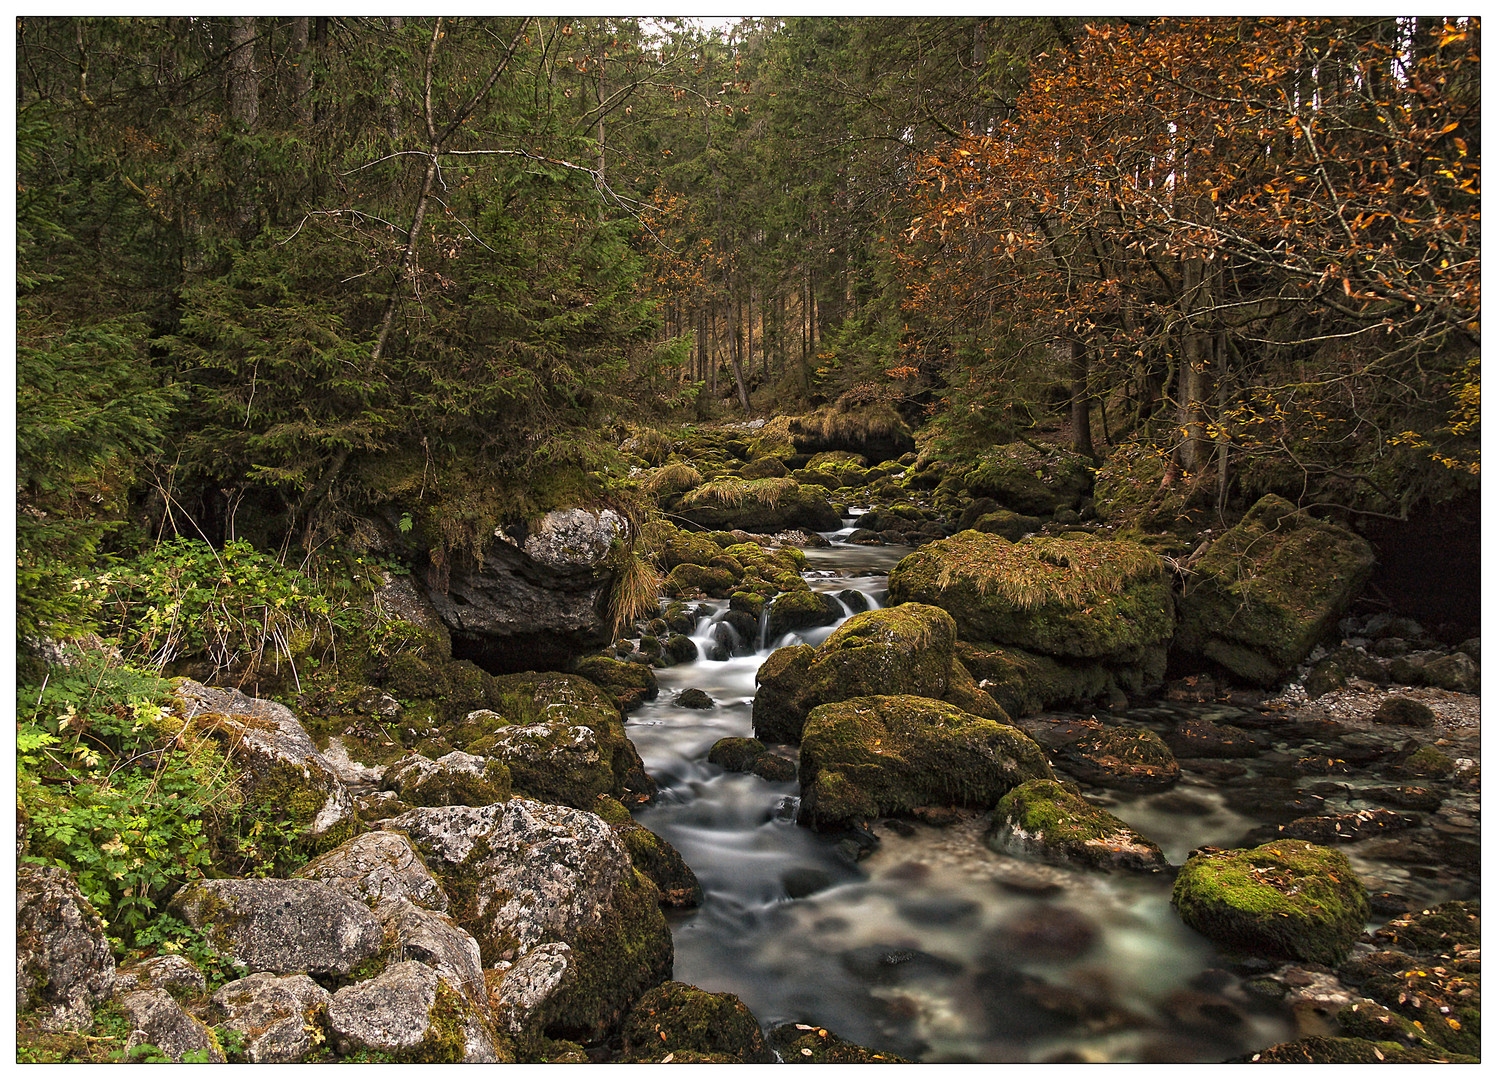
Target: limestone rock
{"points": [[281, 1018], [282, 926], [283, 768], [157, 1019], [1266, 591], [453, 779], [167, 971], [439, 943], [525, 873], [377, 868], [522, 997], [411, 1012], [64, 966], [570, 538]]}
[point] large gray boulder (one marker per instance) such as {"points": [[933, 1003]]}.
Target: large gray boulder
{"points": [[157, 1020], [1268, 589], [282, 926], [412, 1013], [536, 599], [64, 966], [377, 868], [281, 1018], [452, 779], [525, 997], [284, 775], [439, 943], [524, 874]]}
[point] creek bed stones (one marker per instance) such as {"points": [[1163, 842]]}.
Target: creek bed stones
{"points": [[1045, 820]]}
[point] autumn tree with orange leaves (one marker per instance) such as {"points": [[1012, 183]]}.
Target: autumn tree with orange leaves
{"points": [[1254, 243]]}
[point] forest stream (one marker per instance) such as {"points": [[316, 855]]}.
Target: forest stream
{"points": [[935, 947]]}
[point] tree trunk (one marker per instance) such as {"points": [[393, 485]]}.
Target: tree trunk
{"points": [[301, 69], [1081, 407], [244, 80]]}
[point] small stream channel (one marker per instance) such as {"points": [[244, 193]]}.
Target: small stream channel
{"points": [[933, 947]]}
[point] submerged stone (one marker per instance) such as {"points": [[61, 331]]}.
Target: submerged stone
{"points": [[675, 1017]]}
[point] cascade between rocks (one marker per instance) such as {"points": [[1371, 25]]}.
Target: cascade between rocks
{"points": [[933, 947]]}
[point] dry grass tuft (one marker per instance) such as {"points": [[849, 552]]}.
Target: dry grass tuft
{"points": [[733, 493], [636, 588], [677, 476]]}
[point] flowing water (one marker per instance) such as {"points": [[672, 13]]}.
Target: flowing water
{"points": [[932, 947]]}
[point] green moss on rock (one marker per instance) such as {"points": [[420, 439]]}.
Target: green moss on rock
{"points": [[873, 756], [1045, 820], [1268, 589], [1130, 759], [1287, 899], [1072, 599], [807, 1044], [676, 1018], [689, 579]]}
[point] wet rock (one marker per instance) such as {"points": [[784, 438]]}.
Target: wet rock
{"points": [[1042, 819], [1202, 1011], [1028, 881], [455, 779], [1196, 737], [676, 1018], [802, 881], [281, 1018], [735, 754], [693, 698], [875, 756], [1346, 828], [1129, 759], [883, 965], [1404, 711], [410, 1012], [282, 926], [376, 868], [157, 1019], [1288, 898], [908, 649], [1268, 589], [801, 609], [64, 965], [807, 1044], [774, 768], [1045, 934], [523, 873], [680, 649]]}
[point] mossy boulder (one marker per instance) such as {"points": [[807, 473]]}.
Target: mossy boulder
{"points": [[1045, 820], [764, 468], [751, 756], [676, 1018], [1340, 1050], [455, 779], [1268, 589], [1007, 524], [624, 678], [1081, 599], [1022, 682], [758, 506], [1287, 899], [689, 579], [801, 609], [807, 1044], [1031, 480], [452, 687], [906, 649], [565, 742], [1129, 759], [522, 874], [688, 547], [872, 756], [653, 856]]}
